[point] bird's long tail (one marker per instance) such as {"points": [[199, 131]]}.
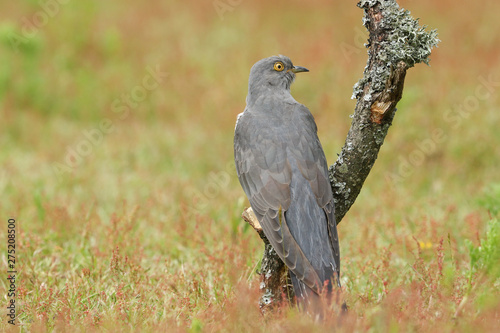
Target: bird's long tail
{"points": [[309, 300], [314, 302]]}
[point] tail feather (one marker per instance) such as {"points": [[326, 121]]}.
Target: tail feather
{"points": [[308, 300]]}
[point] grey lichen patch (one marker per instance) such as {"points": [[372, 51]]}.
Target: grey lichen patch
{"points": [[380, 133], [406, 40], [266, 298], [343, 168], [268, 274], [369, 3], [359, 86], [339, 188]]}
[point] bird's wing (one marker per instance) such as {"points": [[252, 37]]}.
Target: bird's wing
{"points": [[310, 158], [265, 175]]}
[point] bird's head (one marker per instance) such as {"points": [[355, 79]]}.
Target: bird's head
{"points": [[273, 72]]}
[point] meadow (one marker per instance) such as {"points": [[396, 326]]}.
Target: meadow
{"points": [[116, 129]]}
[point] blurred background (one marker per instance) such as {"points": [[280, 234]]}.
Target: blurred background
{"points": [[116, 129]]}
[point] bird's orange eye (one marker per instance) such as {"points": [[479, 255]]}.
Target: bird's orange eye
{"points": [[278, 66]]}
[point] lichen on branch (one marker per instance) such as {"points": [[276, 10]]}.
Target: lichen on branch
{"points": [[396, 43], [406, 40]]}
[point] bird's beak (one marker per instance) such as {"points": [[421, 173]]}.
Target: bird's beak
{"points": [[299, 69]]}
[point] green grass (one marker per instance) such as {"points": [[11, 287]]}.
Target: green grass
{"points": [[142, 232]]}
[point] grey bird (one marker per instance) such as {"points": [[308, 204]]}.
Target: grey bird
{"points": [[283, 170]]}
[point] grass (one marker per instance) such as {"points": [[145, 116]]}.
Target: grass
{"points": [[140, 229]]}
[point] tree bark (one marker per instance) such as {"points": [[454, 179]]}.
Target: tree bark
{"points": [[396, 43]]}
